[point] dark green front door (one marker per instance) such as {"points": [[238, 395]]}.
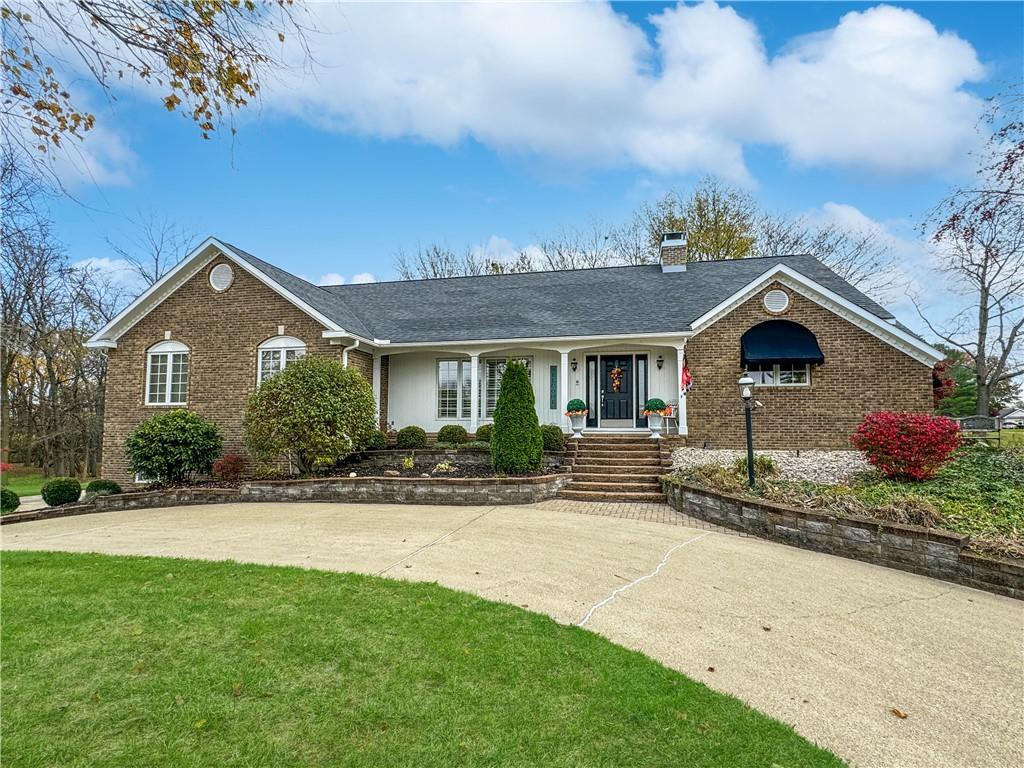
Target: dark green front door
{"points": [[617, 387]]}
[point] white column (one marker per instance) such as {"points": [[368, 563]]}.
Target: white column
{"points": [[474, 392], [563, 391], [376, 387], [680, 362]]}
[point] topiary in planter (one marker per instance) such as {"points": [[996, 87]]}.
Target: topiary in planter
{"points": [[554, 438], [174, 447], [452, 433], [101, 487], [654, 405], [575, 406], [483, 433], [9, 501], [61, 490], [517, 446], [378, 441], [411, 437]]}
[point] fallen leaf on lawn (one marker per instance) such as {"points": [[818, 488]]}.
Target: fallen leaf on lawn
{"points": [[236, 689], [179, 700], [95, 698], [711, 669], [898, 712], [139, 666], [200, 723], [524, 605]]}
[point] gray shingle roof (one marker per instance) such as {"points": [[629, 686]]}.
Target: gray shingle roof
{"points": [[586, 302]]}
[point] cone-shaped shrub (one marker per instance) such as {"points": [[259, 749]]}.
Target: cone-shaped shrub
{"points": [[517, 446]]}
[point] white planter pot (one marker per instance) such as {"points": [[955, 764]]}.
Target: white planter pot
{"points": [[655, 422], [578, 421]]}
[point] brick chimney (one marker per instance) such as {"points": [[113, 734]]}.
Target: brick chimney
{"points": [[673, 252]]}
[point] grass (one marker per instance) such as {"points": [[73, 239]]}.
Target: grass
{"points": [[113, 661], [24, 483]]}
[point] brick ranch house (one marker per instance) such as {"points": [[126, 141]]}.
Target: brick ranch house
{"points": [[822, 353]]}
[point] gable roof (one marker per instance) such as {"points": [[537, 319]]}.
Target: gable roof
{"points": [[601, 302]]}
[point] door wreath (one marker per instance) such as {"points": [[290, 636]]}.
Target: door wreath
{"points": [[616, 377]]}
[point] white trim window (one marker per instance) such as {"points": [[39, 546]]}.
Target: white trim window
{"points": [[167, 374], [454, 389], [780, 374], [493, 371], [276, 354]]}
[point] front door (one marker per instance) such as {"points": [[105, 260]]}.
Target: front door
{"points": [[617, 390]]}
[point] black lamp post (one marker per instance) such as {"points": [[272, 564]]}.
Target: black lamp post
{"points": [[746, 385]]}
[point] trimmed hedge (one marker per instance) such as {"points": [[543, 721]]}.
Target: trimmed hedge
{"points": [[173, 447], [554, 438], [9, 501], [61, 490], [517, 446], [411, 437], [483, 433], [452, 433], [378, 441], [101, 487]]}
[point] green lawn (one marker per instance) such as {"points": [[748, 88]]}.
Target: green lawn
{"points": [[114, 661], [24, 484]]}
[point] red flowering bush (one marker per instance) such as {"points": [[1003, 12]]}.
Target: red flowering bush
{"points": [[907, 446], [229, 467]]}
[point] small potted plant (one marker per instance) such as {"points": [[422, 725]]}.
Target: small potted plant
{"points": [[655, 412], [577, 412]]}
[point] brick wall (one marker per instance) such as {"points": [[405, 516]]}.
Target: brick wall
{"points": [[223, 331], [861, 374]]}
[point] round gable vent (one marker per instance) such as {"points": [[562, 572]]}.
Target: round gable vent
{"points": [[776, 301], [221, 277]]}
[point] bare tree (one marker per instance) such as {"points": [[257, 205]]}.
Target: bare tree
{"points": [[577, 248], [155, 246], [434, 261]]}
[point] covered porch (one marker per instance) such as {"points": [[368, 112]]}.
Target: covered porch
{"points": [[431, 386]]}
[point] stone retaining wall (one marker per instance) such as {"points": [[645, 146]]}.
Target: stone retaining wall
{"points": [[433, 455], [926, 551]]}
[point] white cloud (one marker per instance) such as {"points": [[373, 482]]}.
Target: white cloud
{"points": [[331, 278], [363, 277], [881, 91]]}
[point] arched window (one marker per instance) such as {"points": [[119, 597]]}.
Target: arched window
{"points": [[780, 353], [167, 374], [275, 355]]}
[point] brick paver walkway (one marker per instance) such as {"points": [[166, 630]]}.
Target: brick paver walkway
{"points": [[647, 511]]}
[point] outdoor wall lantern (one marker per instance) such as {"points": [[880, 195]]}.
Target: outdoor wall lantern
{"points": [[574, 365], [746, 385], [660, 362]]}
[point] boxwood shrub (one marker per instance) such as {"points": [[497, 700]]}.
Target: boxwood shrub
{"points": [[452, 433], [378, 441], [101, 487], [411, 437], [61, 490], [483, 433], [9, 501], [173, 447], [554, 438], [517, 446]]}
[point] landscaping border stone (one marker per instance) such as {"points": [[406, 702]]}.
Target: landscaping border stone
{"points": [[925, 551]]}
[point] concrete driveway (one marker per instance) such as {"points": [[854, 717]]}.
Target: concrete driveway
{"points": [[831, 646]]}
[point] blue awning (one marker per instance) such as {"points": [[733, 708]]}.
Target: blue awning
{"points": [[779, 341]]}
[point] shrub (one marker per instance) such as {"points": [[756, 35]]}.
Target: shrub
{"points": [[173, 447], [61, 490], [443, 467], [553, 437], [101, 487], [764, 466], [229, 467], [654, 405], [316, 410], [408, 462], [377, 441], [412, 437], [9, 501], [907, 446], [452, 433], [483, 433], [575, 406], [516, 443]]}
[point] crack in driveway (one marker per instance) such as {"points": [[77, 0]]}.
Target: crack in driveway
{"points": [[436, 541]]}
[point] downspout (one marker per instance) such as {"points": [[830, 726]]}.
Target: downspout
{"points": [[344, 353]]}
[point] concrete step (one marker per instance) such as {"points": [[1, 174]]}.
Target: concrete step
{"points": [[611, 453], [577, 485], [622, 496], [596, 476], [626, 462]]}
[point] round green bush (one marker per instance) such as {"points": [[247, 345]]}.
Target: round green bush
{"points": [[554, 438], [61, 490], [452, 433], [173, 447], [316, 410], [101, 487], [655, 404], [517, 446], [9, 501], [378, 441], [483, 433], [412, 437], [575, 406]]}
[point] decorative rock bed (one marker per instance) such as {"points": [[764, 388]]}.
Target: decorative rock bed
{"points": [[827, 467], [926, 551]]}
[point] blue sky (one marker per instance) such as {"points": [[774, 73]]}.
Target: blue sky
{"points": [[583, 121]]}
